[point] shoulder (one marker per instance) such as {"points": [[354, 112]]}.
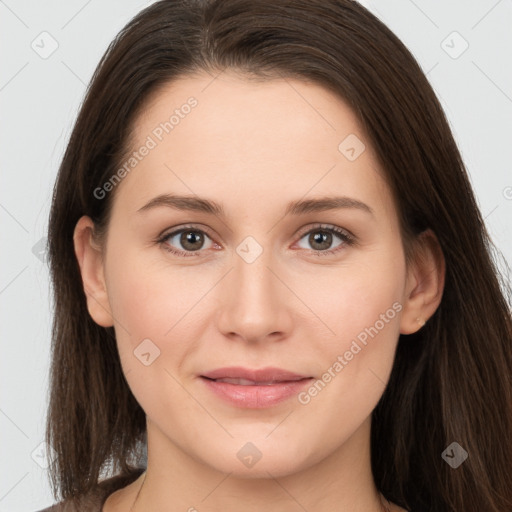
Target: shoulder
{"points": [[94, 500]]}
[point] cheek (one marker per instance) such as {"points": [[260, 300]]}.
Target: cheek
{"points": [[361, 304], [360, 297], [149, 299], [150, 308]]}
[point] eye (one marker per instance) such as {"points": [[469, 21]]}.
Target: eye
{"points": [[322, 237], [191, 239]]}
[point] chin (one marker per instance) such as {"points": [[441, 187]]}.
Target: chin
{"points": [[248, 461]]}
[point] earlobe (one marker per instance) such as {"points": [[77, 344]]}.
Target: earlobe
{"points": [[90, 261], [425, 283]]}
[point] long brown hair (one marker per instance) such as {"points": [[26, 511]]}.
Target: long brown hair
{"points": [[451, 381]]}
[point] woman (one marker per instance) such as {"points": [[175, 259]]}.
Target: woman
{"points": [[270, 269]]}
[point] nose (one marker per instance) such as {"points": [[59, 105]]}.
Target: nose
{"points": [[255, 302]]}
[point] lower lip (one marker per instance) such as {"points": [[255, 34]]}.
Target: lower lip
{"points": [[256, 397]]}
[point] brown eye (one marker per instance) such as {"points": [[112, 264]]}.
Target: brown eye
{"points": [[321, 239], [185, 241], [191, 240]]}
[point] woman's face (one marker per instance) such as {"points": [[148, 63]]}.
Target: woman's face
{"points": [[299, 266]]}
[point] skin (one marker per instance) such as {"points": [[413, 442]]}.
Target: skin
{"points": [[254, 147]]}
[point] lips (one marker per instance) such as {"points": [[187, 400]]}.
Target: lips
{"points": [[253, 377], [245, 382], [254, 389]]}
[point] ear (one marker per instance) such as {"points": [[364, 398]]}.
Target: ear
{"points": [[424, 284], [90, 260]]}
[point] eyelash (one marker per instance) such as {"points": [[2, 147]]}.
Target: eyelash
{"points": [[345, 236]]}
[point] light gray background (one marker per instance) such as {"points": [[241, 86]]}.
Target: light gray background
{"points": [[39, 100]]}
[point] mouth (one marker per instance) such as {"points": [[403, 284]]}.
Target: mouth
{"points": [[246, 382], [255, 393], [251, 376]]}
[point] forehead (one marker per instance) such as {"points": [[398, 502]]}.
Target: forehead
{"points": [[246, 140], [269, 111]]}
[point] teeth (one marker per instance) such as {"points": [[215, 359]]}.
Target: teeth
{"points": [[245, 382]]}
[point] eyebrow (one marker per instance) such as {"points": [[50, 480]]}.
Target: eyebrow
{"points": [[301, 207]]}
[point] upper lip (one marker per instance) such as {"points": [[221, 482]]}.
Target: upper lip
{"points": [[256, 375]]}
